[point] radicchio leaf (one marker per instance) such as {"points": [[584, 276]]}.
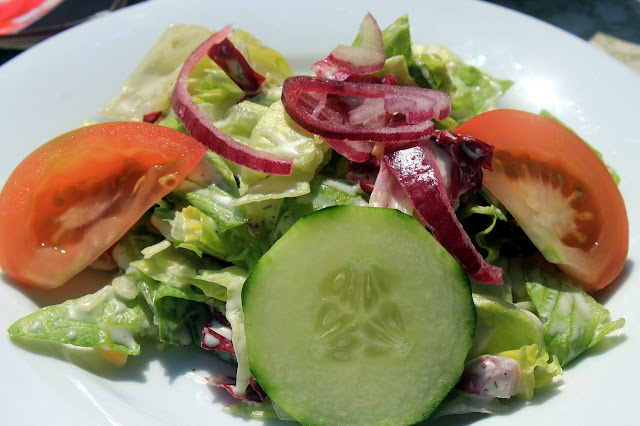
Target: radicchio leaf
{"points": [[416, 170], [468, 157]]}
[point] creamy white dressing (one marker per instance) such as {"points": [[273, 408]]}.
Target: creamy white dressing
{"points": [[36, 326], [122, 336], [235, 316], [125, 287], [84, 309], [210, 340], [221, 329]]}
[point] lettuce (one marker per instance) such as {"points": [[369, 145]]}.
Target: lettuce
{"points": [[324, 192], [537, 368], [573, 321], [472, 90], [150, 85], [502, 326], [487, 215], [109, 319], [276, 133]]}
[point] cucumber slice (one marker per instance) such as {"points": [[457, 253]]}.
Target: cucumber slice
{"points": [[358, 316]]}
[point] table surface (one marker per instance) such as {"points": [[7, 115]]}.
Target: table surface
{"points": [[611, 25]]}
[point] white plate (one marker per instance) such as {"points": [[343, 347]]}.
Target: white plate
{"points": [[64, 80]]}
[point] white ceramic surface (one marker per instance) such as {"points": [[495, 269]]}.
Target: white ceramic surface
{"points": [[64, 80]]}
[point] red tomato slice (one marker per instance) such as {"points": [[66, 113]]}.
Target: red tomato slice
{"points": [[75, 196], [558, 191]]}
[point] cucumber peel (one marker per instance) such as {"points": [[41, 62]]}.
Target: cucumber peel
{"points": [[358, 316]]}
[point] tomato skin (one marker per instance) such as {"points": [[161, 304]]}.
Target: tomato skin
{"points": [[558, 191], [75, 196]]}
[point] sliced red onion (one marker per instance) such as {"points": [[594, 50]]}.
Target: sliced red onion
{"points": [[323, 69], [201, 128], [365, 58], [229, 58], [323, 107], [354, 151], [416, 170], [371, 113]]}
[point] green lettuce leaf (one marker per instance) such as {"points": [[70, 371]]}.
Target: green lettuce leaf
{"points": [[502, 326], [472, 90], [150, 85], [324, 192], [181, 289], [266, 61], [485, 218], [537, 368], [277, 134], [573, 321], [437, 67], [110, 319]]}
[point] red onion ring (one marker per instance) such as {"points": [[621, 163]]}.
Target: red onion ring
{"points": [[201, 128], [367, 57], [331, 120]]}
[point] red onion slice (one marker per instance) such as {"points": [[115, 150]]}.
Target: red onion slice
{"points": [[353, 151], [325, 107], [416, 170], [365, 58], [200, 128], [229, 58]]}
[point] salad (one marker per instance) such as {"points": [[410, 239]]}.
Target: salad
{"points": [[185, 261]]}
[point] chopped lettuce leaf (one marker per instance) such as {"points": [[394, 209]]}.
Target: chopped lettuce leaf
{"points": [[537, 368], [178, 317], [150, 86], [492, 213], [324, 192], [472, 90], [266, 61], [109, 319], [502, 326], [573, 321], [277, 134], [198, 278], [235, 316]]}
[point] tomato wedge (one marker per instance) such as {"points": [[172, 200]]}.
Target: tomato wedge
{"points": [[558, 191], [76, 195]]}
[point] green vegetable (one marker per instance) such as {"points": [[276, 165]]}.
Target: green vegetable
{"points": [[573, 321], [110, 319], [502, 326], [472, 90], [344, 327]]}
